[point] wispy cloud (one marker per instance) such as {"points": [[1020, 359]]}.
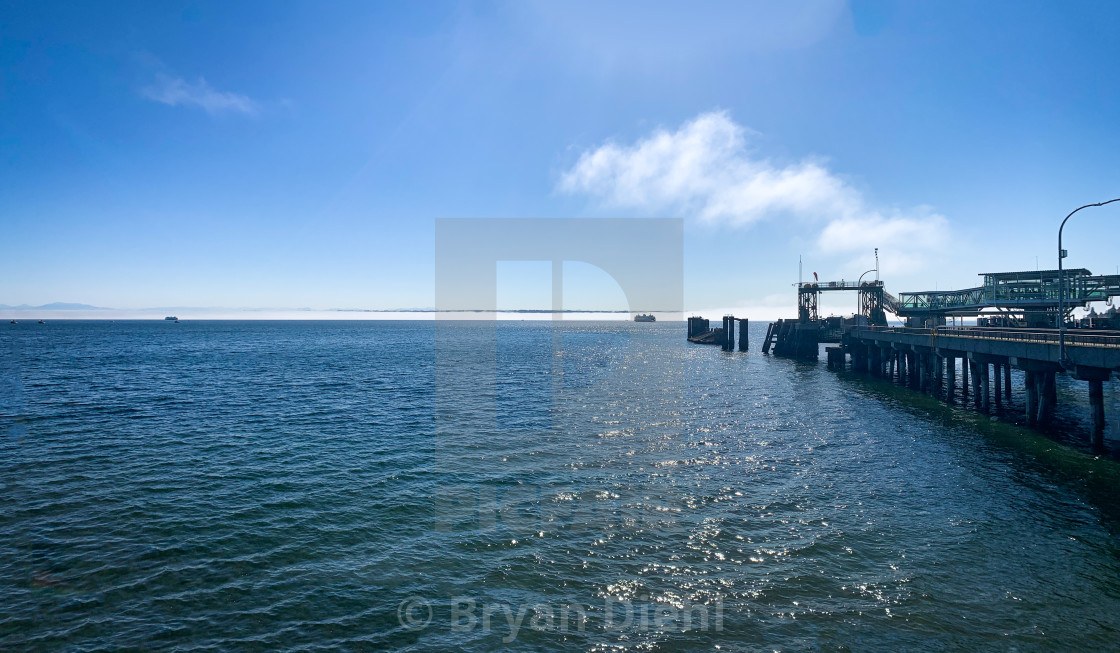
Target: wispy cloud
{"points": [[705, 170], [176, 91]]}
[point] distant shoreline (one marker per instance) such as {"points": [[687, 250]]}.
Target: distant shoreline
{"points": [[328, 316]]}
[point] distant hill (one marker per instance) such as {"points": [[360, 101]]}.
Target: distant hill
{"points": [[55, 306]]}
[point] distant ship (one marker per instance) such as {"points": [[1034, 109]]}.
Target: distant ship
{"points": [[645, 317], [172, 318], [14, 322], [41, 322]]}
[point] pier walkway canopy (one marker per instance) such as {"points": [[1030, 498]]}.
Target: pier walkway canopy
{"points": [[1013, 292]]}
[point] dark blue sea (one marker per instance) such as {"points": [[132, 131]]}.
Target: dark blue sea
{"points": [[582, 486]]}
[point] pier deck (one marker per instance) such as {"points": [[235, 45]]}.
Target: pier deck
{"points": [[1097, 349]]}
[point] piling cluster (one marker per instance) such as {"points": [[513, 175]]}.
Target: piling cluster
{"points": [[792, 338], [700, 332], [697, 326]]}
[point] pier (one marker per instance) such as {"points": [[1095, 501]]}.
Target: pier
{"points": [[928, 359], [1017, 316]]}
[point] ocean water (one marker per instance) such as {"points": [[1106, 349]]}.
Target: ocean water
{"points": [[528, 486]]}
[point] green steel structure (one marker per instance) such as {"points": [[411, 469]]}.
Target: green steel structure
{"points": [[873, 299], [1012, 292], [1030, 292]]}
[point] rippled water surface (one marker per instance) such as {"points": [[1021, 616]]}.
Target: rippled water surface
{"points": [[472, 486]]}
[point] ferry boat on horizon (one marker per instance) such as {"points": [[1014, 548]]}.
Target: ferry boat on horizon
{"points": [[645, 317], [171, 318]]}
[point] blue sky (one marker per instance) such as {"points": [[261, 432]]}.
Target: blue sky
{"points": [[296, 155]]}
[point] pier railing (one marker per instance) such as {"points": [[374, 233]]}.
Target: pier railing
{"points": [[1109, 340]]}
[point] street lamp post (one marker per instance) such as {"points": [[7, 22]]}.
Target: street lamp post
{"points": [[1062, 284]]}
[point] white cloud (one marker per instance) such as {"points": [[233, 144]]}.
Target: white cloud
{"points": [[704, 170], [922, 227], [176, 91]]}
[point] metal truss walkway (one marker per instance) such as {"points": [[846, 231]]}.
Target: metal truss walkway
{"points": [[1035, 290]]}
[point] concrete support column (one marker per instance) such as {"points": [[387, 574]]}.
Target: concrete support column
{"points": [[938, 374], [914, 370], [927, 372], [1047, 396], [985, 395], [974, 369], [1096, 414], [998, 391], [1007, 383], [964, 381], [951, 383], [1032, 396], [876, 362], [1052, 391], [744, 343]]}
